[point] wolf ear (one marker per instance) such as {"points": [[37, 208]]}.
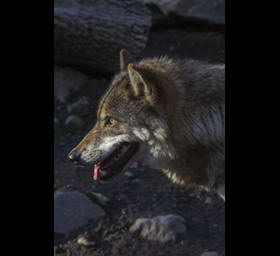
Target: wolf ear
{"points": [[140, 84], [125, 59]]}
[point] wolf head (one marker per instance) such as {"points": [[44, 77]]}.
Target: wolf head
{"points": [[130, 124]]}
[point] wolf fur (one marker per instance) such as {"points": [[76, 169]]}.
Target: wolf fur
{"points": [[174, 109]]}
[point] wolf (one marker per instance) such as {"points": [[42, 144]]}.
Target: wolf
{"points": [[168, 114]]}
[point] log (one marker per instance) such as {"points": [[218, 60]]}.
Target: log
{"points": [[89, 34]]}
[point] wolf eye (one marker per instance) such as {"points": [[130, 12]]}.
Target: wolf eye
{"points": [[111, 121]]}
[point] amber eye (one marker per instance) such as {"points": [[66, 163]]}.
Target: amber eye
{"points": [[111, 121]]}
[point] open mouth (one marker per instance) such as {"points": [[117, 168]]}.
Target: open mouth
{"points": [[113, 164]]}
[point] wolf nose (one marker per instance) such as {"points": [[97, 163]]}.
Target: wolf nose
{"points": [[74, 156]]}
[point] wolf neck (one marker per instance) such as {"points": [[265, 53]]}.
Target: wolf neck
{"points": [[183, 95]]}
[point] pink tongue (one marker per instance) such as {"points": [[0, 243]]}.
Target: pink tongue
{"points": [[96, 172]]}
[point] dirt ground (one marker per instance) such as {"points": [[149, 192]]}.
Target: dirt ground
{"points": [[148, 193]]}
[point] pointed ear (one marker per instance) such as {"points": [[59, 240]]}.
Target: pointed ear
{"points": [[142, 87], [125, 59]]}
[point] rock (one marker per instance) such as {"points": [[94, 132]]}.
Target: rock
{"points": [[210, 11], [135, 165], [221, 192], [78, 106], [136, 181], [74, 121], [73, 210], [82, 240], [67, 79], [56, 120], [62, 143], [209, 254], [58, 250], [208, 200], [128, 174], [162, 228], [103, 200]]}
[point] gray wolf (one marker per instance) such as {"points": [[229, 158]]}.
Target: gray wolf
{"points": [[166, 113]]}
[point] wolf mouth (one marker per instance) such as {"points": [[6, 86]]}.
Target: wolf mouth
{"points": [[115, 162]]}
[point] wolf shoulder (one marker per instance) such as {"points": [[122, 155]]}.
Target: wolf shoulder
{"points": [[205, 82]]}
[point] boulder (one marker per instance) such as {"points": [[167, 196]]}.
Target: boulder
{"points": [[73, 210]]}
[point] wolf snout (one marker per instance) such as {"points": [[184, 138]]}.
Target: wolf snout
{"points": [[74, 156]]}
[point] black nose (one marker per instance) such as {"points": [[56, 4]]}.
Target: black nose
{"points": [[74, 156]]}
